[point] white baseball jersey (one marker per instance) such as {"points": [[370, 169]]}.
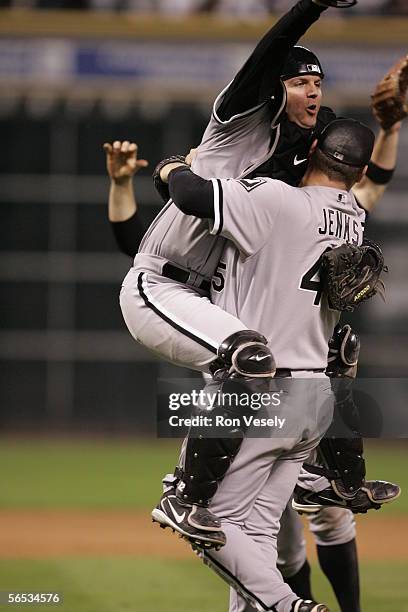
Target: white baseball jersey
{"points": [[228, 149], [243, 142], [278, 234]]}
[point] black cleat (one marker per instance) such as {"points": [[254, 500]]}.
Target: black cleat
{"points": [[194, 523], [307, 605], [370, 496]]}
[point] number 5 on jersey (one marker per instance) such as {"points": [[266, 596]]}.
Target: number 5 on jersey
{"points": [[218, 280]]}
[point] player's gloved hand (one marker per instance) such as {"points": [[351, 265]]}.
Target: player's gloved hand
{"points": [[389, 100], [351, 274], [122, 162], [160, 184]]}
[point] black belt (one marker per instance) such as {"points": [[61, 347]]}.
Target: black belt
{"points": [[182, 276], [287, 373]]}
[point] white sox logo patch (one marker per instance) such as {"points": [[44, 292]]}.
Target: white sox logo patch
{"points": [[250, 184]]}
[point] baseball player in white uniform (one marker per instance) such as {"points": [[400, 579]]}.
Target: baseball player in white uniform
{"points": [[276, 233], [166, 306]]}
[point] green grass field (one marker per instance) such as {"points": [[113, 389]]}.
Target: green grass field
{"points": [[125, 474], [144, 585], [84, 474]]}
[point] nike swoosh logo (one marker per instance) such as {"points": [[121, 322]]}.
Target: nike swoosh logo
{"points": [[179, 517], [259, 357], [297, 161]]}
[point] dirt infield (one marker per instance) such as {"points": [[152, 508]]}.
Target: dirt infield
{"points": [[42, 534]]}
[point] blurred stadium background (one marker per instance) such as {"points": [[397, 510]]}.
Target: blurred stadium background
{"points": [[71, 80], [74, 74]]}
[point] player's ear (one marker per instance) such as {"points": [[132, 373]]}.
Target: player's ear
{"points": [[313, 148]]}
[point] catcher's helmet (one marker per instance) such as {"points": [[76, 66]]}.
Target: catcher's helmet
{"points": [[301, 61], [347, 141]]}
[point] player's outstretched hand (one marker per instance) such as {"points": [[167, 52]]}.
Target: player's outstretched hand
{"points": [[122, 162]]}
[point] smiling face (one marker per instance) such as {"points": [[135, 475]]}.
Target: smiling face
{"points": [[304, 99]]}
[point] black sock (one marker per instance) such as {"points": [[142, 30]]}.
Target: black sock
{"points": [[340, 565], [300, 582]]}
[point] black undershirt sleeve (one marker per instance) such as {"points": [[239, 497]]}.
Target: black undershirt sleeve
{"points": [[378, 175], [259, 78], [192, 194], [128, 234]]}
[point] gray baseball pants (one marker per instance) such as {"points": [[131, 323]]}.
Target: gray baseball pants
{"points": [[168, 318]]}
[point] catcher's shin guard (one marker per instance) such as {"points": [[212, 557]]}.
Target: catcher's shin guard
{"points": [[343, 457], [244, 365], [345, 462]]}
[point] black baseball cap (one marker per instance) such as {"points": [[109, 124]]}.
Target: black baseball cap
{"points": [[301, 61], [347, 141]]}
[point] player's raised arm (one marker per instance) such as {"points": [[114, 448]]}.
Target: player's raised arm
{"points": [[381, 169], [122, 164], [389, 108], [259, 78]]}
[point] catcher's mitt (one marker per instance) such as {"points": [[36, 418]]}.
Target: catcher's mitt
{"points": [[163, 188], [389, 100], [351, 274]]}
